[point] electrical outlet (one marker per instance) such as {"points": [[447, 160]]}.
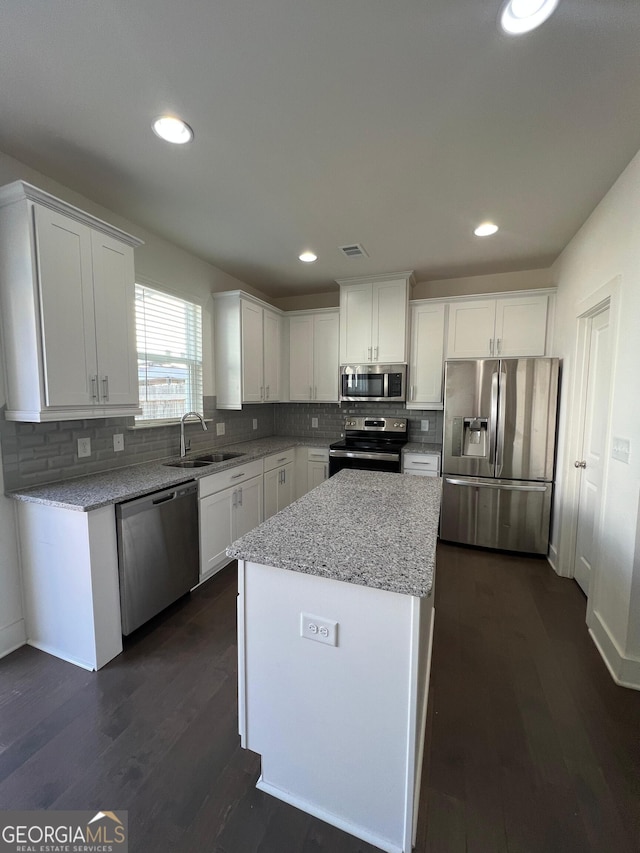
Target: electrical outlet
{"points": [[314, 423], [84, 447], [118, 442], [255, 423], [319, 629], [424, 425], [220, 429]]}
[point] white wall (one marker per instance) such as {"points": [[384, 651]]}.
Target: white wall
{"points": [[608, 245], [159, 262]]}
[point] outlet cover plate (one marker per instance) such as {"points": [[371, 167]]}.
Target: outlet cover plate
{"points": [[84, 447], [255, 423], [118, 442], [621, 449], [220, 429], [319, 628], [314, 423], [424, 425]]}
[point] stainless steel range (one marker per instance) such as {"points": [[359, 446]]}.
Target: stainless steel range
{"points": [[370, 444]]}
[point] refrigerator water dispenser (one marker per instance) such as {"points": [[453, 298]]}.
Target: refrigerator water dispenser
{"points": [[471, 437]]}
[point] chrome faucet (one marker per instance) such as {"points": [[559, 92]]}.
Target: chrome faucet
{"points": [[185, 446]]}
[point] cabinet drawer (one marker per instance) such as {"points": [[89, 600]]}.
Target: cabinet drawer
{"points": [[421, 463], [318, 454], [229, 477], [278, 459]]}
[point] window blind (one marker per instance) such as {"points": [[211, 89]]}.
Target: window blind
{"points": [[169, 342]]}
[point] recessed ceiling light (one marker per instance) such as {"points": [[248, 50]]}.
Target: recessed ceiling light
{"points": [[522, 16], [172, 129], [308, 257], [485, 229]]}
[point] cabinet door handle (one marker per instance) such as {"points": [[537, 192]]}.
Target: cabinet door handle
{"points": [[325, 472], [267, 393], [310, 393], [369, 352], [490, 346], [262, 392], [105, 387], [234, 502], [237, 476], [315, 392], [282, 459], [498, 345], [94, 388], [240, 496], [376, 354]]}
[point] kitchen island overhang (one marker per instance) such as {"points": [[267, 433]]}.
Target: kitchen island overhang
{"points": [[335, 627]]}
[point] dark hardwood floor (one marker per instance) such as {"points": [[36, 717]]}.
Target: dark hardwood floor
{"points": [[531, 746]]}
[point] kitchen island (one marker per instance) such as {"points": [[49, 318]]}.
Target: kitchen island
{"points": [[335, 626]]}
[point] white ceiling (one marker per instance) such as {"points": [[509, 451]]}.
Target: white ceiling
{"points": [[394, 123]]}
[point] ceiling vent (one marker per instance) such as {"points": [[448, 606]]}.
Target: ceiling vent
{"points": [[355, 250]]}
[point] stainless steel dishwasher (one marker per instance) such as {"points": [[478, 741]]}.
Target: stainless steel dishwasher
{"points": [[158, 552]]}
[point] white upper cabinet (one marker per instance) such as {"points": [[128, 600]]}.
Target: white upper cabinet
{"points": [[67, 293], [509, 326], [313, 356], [374, 319], [426, 355], [247, 344]]}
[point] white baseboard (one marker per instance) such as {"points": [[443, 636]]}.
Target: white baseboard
{"points": [[624, 671], [327, 817], [12, 637], [50, 650], [552, 558]]}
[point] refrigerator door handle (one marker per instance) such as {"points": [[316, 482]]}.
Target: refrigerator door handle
{"points": [[501, 421], [493, 420], [503, 487]]}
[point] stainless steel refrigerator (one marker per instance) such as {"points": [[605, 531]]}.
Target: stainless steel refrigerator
{"points": [[499, 452]]}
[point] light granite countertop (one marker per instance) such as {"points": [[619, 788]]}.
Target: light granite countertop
{"points": [[361, 527], [93, 491], [420, 447]]}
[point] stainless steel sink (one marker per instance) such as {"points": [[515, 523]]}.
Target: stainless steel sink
{"points": [[210, 458], [187, 463]]}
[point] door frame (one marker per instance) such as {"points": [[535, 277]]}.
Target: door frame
{"points": [[606, 296]]}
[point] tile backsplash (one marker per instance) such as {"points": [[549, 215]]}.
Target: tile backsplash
{"points": [[297, 418], [33, 454]]}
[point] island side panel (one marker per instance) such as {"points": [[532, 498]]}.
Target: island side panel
{"points": [[332, 723]]}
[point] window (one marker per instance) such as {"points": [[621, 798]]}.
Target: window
{"points": [[169, 340]]}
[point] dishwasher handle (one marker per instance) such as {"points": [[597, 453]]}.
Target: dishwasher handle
{"points": [[128, 508]]}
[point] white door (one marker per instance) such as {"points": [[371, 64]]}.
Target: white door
{"points": [[521, 325], [594, 443], [271, 338], [285, 486], [301, 359], [215, 530], [389, 322], [247, 513], [114, 286], [271, 492], [355, 324], [317, 472], [471, 329], [426, 362], [252, 354], [67, 312], [325, 358]]}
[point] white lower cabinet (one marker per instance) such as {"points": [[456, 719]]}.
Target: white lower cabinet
{"points": [[421, 464], [279, 482], [317, 467], [230, 505]]}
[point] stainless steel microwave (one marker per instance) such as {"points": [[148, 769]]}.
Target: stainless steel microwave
{"points": [[374, 382]]}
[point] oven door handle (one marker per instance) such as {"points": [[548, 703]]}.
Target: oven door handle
{"points": [[359, 454]]}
